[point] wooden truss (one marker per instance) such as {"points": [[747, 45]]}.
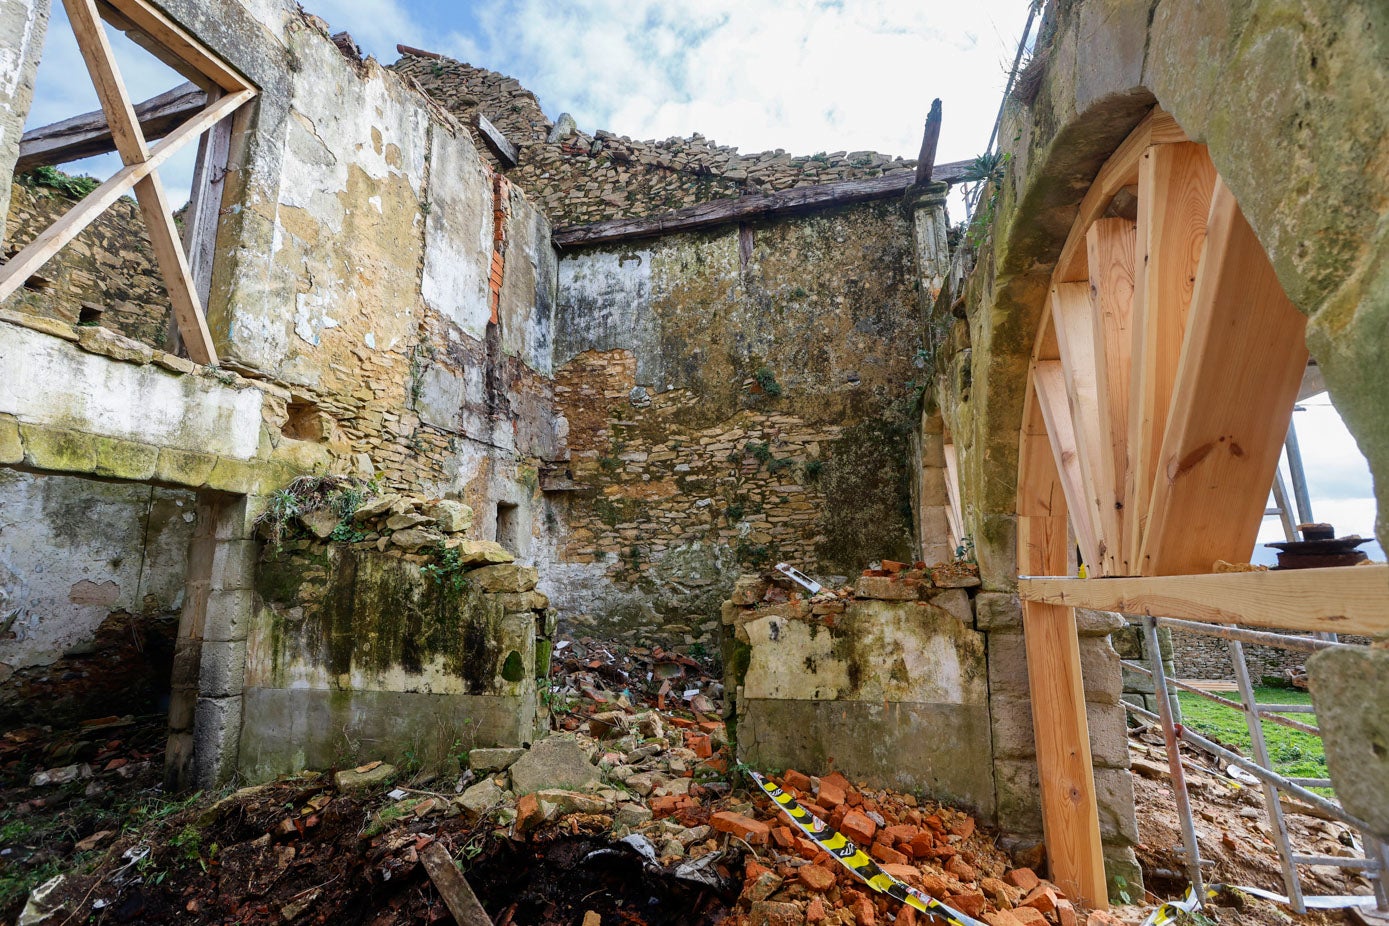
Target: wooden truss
{"points": [[1161, 386], [224, 90]]}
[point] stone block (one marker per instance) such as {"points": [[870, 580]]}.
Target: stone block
{"points": [[505, 578], [480, 552], [1010, 721], [58, 450], [11, 449], [216, 732], [1008, 666], [234, 476], [98, 340], [1100, 670], [955, 602], [413, 539], [1098, 623], [1123, 874], [996, 551], [234, 564], [1350, 689], [350, 779], [494, 759], [554, 762], [451, 517], [1128, 642], [995, 611], [1114, 795], [229, 615], [222, 669], [1019, 795], [885, 588], [513, 602], [184, 467], [1109, 736]]}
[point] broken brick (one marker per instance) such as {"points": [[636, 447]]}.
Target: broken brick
{"points": [[1065, 913], [816, 878], [795, 779], [858, 827], [968, 902], [886, 854], [1023, 878], [1030, 916], [958, 867], [753, 832], [830, 795]]}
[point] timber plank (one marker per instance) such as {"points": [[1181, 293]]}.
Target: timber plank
{"points": [[87, 134], [1121, 170], [1175, 185], [1075, 335], [724, 211], [1347, 599], [1056, 413], [173, 45], [1241, 365], [1111, 246], [1070, 814], [500, 145]]}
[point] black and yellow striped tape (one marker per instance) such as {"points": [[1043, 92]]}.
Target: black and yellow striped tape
{"points": [[857, 861]]}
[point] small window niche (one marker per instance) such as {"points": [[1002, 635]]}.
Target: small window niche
{"points": [[508, 532]]}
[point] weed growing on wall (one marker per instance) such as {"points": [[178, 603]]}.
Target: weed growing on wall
{"points": [[74, 187], [342, 495], [447, 569]]}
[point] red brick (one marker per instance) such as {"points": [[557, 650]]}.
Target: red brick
{"points": [[700, 744], [906, 916], [864, 914], [1024, 878], [753, 869], [858, 827], [830, 795], [1030, 916], [969, 902], [887, 855], [783, 837], [796, 780], [923, 845], [934, 822], [815, 911], [1042, 898], [902, 833], [963, 827], [807, 849], [667, 805], [1001, 918], [934, 885], [528, 813], [838, 814], [908, 873], [814, 808], [1102, 918], [1065, 913], [754, 832], [816, 878], [957, 867]]}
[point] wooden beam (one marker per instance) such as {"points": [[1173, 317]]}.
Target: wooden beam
{"points": [[954, 512], [1070, 812], [1175, 183], [496, 142], [930, 137], [38, 252], [725, 211], [87, 135], [1242, 362], [155, 208], [183, 48], [1121, 170], [1049, 377], [1111, 249], [1075, 335], [453, 887], [1346, 599]]}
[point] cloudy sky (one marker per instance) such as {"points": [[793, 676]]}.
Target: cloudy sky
{"points": [[803, 75]]}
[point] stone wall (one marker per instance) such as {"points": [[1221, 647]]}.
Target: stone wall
{"points": [[577, 178], [733, 398], [110, 266], [885, 682], [25, 25]]}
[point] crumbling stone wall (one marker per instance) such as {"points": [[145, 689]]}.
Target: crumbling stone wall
{"points": [[110, 266], [577, 178], [733, 398]]}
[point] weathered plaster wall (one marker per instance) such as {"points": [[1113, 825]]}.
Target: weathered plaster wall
{"points": [[734, 397], [25, 24]]}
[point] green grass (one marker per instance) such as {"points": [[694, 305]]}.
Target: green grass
{"points": [[1294, 754]]}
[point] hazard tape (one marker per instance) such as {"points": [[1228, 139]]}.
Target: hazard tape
{"points": [[856, 860], [1171, 911]]}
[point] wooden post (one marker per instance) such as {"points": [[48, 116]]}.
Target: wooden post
{"points": [[926, 160], [1070, 813]]}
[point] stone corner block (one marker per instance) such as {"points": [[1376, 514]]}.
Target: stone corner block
{"points": [[11, 448], [229, 615], [222, 669], [995, 611], [1350, 688], [216, 736]]}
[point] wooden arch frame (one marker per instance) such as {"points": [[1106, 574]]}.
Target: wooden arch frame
{"points": [[1161, 384], [226, 91]]}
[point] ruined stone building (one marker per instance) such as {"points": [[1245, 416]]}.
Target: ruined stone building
{"points": [[550, 384]]}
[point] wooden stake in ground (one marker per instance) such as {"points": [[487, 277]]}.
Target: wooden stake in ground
{"points": [[453, 887]]}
